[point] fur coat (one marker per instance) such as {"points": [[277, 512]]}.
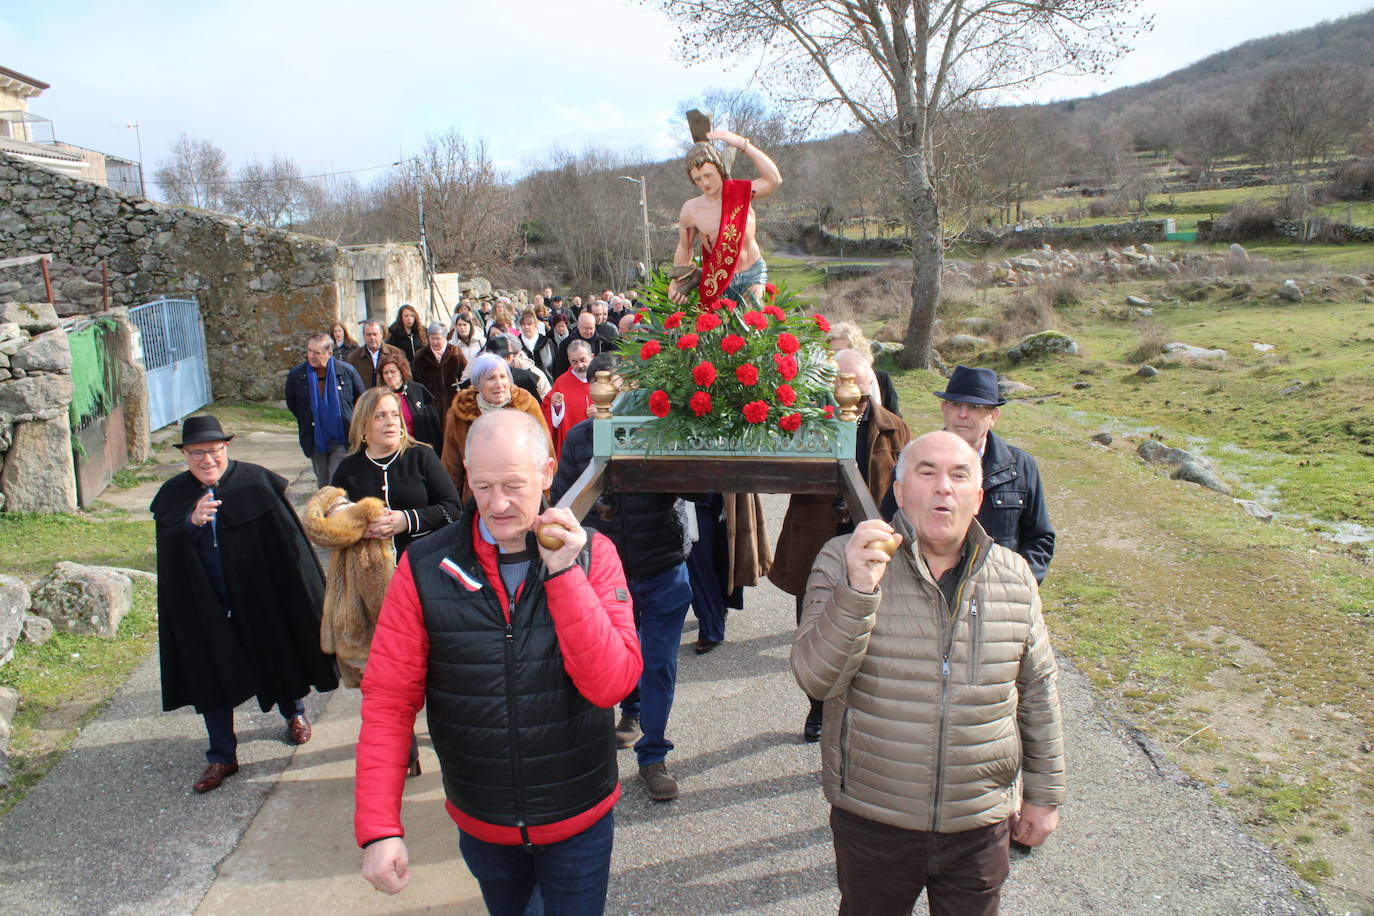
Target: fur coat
{"points": [[359, 571]]}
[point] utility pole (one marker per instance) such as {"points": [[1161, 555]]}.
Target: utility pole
{"points": [[644, 216], [424, 242]]}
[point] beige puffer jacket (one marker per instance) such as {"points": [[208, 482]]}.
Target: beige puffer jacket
{"points": [[927, 722]]}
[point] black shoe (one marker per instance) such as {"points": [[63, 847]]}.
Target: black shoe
{"points": [[812, 730], [705, 645], [1020, 850]]}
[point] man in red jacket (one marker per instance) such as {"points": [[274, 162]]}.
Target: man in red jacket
{"points": [[519, 652]]}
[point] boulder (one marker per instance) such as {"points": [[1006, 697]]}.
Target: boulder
{"points": [[1290, 291], [36, 396], [1348, 280], [1186, 353], [1147, 371], [9, 330], [1006, 387], [975, 324], [1145, 312], [37, 630], [964, 342], [1102, 438], [34, 317], [48, 352], [1156, 452], [1193, 472], [1038, 346], [84, 599], [14, 604], [9, 705], [1137, 301], [1239, 253], [1255, 510], [39, 474]]}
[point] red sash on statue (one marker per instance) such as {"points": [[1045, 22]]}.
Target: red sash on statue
{"points": [[718, 264]]}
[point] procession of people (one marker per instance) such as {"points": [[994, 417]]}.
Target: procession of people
{"points": [[453, 585]]}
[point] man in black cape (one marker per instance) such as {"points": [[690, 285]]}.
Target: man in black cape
{"points": [[239, 594]]}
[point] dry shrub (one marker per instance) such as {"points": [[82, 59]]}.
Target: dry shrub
{"points": [[1355, 181], [878, 295], [1023, 314], [1058, 292], [1153, 337]]}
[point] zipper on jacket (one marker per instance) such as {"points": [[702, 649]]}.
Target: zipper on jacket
{"points": [[514, 727], [975, 637], [844, 748], [950, 620]]}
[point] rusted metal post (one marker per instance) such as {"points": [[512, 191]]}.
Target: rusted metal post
{"points": [[47, 280], [104, 286]]}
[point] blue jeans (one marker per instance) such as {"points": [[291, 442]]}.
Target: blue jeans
{"points": [[565, 877], [661, 604]]}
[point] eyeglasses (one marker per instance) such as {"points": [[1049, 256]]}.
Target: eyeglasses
{"points": [[200, 454]]}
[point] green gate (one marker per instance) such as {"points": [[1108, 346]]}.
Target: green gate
{"points": [[100, 444]]}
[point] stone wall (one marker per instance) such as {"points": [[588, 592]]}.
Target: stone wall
{"points": [[37, 473]]}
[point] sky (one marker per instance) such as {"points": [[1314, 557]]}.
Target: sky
{"points": [[337, 86]]}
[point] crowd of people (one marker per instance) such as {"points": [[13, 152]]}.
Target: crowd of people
{"points": [[454, 586]]}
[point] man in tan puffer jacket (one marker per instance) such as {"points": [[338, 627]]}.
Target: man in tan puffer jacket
{"points": [[939, 686]]}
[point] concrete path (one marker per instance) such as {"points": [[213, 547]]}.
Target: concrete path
{"points": [[115, 827]]}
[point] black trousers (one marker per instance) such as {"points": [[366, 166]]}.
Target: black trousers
{"points": [[883, 869]]}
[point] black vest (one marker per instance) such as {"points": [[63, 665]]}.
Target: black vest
{"points": [[518, 745]]}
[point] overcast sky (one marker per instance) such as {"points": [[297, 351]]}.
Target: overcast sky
{"points": [[347, 84]]}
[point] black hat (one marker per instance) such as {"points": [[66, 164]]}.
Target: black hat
{"points": [[500, 344], [973, 386], [201, 429]]}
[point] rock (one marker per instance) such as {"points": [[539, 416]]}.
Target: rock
{"points": [[37, 630], [1145, 313], [35, 396], [6, 772], [1255, 510], [1193, 472], [1138, 301], [84, 599], [1291, 389], [1290, 291], [1102, 438], [34, 317], [1185, 353], [1045, 343], [48, 352], [1007, 387], [1147, 371], [1155, 452], [1261, 347], [14, 603], [1024, 264], [964, 342], [1348, 280], [1239, 253], [1079, 386], [9, 330], [39, 474], [976, 324], [9, 705]]}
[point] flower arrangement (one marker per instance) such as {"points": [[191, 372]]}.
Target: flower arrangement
{"points": [[751, 375]]}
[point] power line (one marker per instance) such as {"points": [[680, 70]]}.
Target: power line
{"points": [[370, 168]]}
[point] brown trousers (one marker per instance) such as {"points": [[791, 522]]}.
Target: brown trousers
{"points": [[883, 869]]}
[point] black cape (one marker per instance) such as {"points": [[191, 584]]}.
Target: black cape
{"points": [[271, 646]]}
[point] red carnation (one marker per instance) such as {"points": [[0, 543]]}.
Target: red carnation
{"points": [[727, 304], [687, 342], [673, 320], [776, 312], [756, 411], [830, 411], [821, 323], [658, 403], [707, 322], [790, 423], [770, 290], [704, 374], [788, 343], [700, 403], [710, 304], [732, 344], [756, 320], [641, 316], [787, 366], [649, 350], [786, 396], [748, 374]]}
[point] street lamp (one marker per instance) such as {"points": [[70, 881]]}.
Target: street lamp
{"points": [[131, 124], [644, 213]]}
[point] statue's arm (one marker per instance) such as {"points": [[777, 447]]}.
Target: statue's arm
{"points": [[769, 176], [682, 255]]}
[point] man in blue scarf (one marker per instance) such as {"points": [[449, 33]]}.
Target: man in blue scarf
{"points": [[320, 393]]}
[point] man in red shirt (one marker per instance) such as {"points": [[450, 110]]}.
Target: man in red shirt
{"points": [[520, 652], [569, 402]]}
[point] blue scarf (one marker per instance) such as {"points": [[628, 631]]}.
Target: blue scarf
{"points": [[328, 414]]}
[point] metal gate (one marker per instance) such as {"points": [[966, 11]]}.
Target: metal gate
{"points": [[99, 444], [173, 346]]}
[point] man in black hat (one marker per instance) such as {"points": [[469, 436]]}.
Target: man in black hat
{"points": [[239, 593], [1013, 511]]}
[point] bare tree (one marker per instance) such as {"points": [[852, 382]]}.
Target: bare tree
{"points": [[194, 175], [340, 209], [1301, 114], [747, 114], [272, 193], [894, 66], [1210, 131]]}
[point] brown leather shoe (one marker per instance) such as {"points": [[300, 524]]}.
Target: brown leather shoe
{"points": [[298, 729], [214, 774]]}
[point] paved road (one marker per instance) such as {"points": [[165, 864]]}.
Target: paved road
{"points": [[115, 827]]}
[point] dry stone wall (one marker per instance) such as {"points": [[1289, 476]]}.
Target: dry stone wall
{"points": [[37, 471], [260, 289]]}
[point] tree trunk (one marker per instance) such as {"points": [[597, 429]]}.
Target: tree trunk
{"points": [[927, 259]]}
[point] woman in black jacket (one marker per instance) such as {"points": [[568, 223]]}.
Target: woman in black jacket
{"points": [[407, 335], [419, 410]]}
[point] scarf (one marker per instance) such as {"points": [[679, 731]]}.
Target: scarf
{"points": [[325, 408], [486, 406]]}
